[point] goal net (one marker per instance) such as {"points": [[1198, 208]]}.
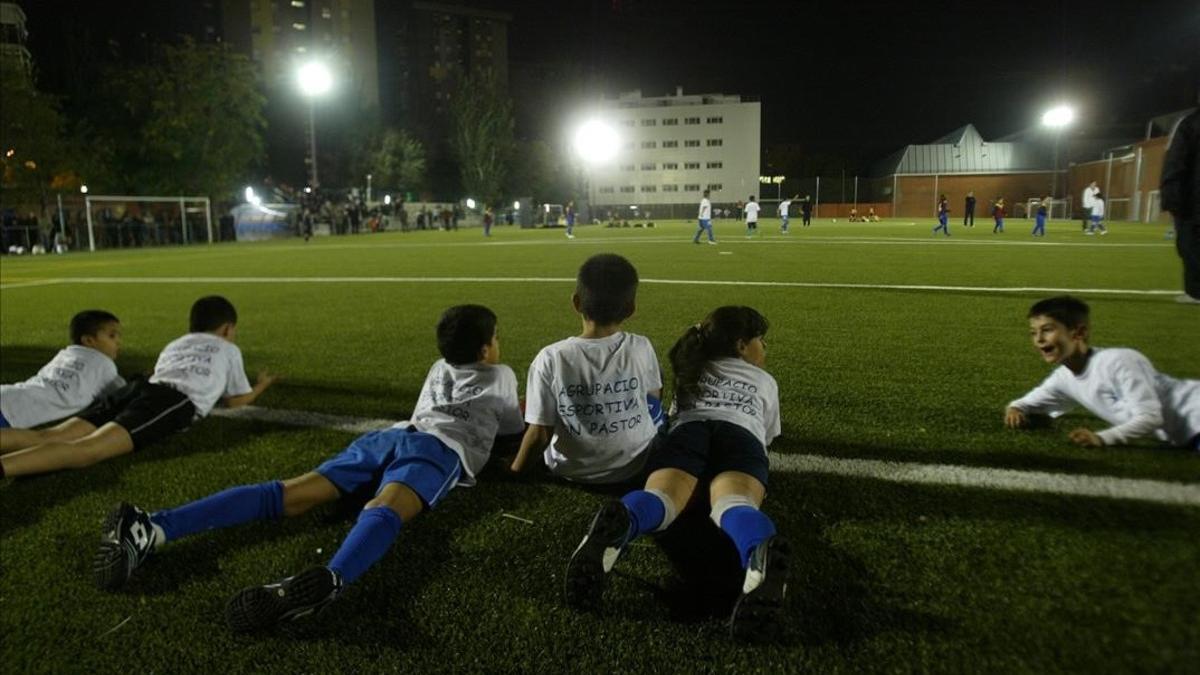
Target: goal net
{"points": [[137, 221], [1056, 209]]}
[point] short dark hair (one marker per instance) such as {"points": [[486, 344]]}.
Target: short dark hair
{"points": [[1065, 309], [89, 322], [607, 287], [210, 313], [463, 330], [706, 193]]}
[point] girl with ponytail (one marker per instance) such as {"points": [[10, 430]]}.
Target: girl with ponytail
{"points": [[725, 414]]}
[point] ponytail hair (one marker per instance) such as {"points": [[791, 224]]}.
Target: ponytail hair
{"points": [[715, 337]]}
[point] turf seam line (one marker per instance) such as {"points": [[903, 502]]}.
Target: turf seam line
{"points": [[672, 282], [1109, 487]]}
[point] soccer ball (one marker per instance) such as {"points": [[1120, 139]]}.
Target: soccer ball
{"points": [[835, 220]]}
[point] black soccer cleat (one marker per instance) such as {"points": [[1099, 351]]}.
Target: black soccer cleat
{"points": [[587, 571], [127, 541], [303, 595], [757, 616]]}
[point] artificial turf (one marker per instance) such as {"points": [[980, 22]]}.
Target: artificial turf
{"points": [[887, 577]]}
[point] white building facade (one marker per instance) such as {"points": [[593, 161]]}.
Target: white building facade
{"points": [[672, 148]]}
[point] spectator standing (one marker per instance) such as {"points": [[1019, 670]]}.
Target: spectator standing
{"points": [[1181, 200], [969, 210], [1089, 197]]}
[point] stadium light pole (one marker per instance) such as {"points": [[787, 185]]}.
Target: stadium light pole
{"points": [[315, 80], [595, 142], [1057, 119]]}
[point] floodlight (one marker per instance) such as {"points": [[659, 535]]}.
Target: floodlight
{"points": [[83, 189], [314, 78], [249, 192], [516, 206], [1058, 117], [387, 199], [596, 142], [470, 203]]}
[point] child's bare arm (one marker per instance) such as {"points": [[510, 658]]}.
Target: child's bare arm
{"points": [[265, 380], [536, 438]]}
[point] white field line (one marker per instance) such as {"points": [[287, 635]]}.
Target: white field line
{"points": [[559, 280], [1109, 487]]}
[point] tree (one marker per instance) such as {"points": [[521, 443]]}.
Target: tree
{"points": [[396, 161], [540, 172], [482, 135], [189, 123], [35, 150]]}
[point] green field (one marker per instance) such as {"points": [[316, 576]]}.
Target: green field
{"points": [[887, 344]]}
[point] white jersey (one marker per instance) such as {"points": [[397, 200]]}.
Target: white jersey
{"points": [[70, 382], [751, 210], [1098, 207], [1089, 196], [593, 392], [705, 209], [466, 407], [204, 367], [736, 391], [1121, 387], [783, 207]]}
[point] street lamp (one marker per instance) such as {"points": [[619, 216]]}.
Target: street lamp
{"points": [[1057, 118], [595, 142], [314, 80]]}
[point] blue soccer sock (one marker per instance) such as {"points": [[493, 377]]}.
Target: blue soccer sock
{"points": [[368, 540], [648, 511], [747, 527], [234, 506]]}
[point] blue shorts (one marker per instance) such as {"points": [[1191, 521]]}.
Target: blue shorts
{"points": [[3, 422], [1095, 220], [414, 458], [707, 448]]}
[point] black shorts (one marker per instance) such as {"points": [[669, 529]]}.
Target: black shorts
{"points": [[707, 448], [149, 412]]}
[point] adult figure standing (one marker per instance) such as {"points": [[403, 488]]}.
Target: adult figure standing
{"points": [[1180, 191], [969, 211], [806, 210], [1089, 198]]}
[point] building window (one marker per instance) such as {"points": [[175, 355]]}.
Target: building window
{"points": [[715, 120], [670, 121], [627, 167], [670, 188], [649, 166], [670, 166], [649, 122], [691, 144], [626, 188], [714, 187], [691, 165], [649, 145], [691, 187], [607, 190], [713, 143], [691, 120], [627, 123], [649, 188], [670, 144], [713, 165]]}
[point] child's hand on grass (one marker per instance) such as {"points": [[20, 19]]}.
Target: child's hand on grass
{"points": [[1085, 438], [1015, 419], [266, 378]]}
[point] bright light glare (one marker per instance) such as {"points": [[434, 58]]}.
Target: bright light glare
{"points": [[470, 203], [314, 78], [1058, 116], [83, 189], [387, 199], [596, 142], [516, 206]]}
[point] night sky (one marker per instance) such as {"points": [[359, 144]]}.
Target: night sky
{"points": [[856, 80]]}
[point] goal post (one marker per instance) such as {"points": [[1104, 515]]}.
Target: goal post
{"points": [[1057, 210], [186, 234]]}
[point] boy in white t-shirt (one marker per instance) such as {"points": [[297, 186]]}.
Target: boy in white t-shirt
{"points": [[71, 381], [751, 210], [592, 401], [193, 373], [1117, 385], [467, 400], [726, 414]]}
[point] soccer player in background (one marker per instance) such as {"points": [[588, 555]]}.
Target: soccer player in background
{"points": [[569, 211], [751, 210], [943, 216], [998, 215], [1039, 227], [1097, 216], [784, 206], [705, 220]]}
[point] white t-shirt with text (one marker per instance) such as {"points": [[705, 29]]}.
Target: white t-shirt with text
{"points": [[69, 383], [466, 407], [751, 210], [705, 209], [736, 391], [204, 367], [593, 392], [1121, 387]]}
